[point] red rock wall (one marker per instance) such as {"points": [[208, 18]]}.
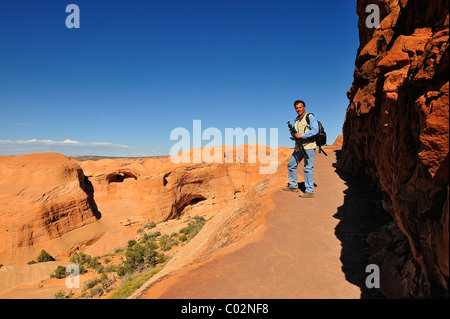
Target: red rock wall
{"points": [[42, 197], [397, 128]]}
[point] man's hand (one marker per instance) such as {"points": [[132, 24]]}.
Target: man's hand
{"points": [[298, 135]]}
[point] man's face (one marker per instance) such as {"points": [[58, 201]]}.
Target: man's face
{"points": [[300, 108]]}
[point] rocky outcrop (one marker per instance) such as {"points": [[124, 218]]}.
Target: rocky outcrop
{"points": [[161, 189], [46, 198], [42, 197], [338, 142], [396, 131]]}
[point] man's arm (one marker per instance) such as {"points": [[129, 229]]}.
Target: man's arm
{"points": [[314, 128]]}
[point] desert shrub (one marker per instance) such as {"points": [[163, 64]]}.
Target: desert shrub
{"points": [[131, 284], [166, 242], [97, 291], [192, 229], [81, 258], [146, 237], [134, 255], [139, 256], [32, 262], [194, 225], [162, 258], [84, 260], [61, 294], [44, 257], [184, 230], [124, 270], [131, 243], [151, 236], [199, 221], [59, 272], [98, 286], [103, 277], [82, 270], [118, 250], [149, 226], [110, 268], [95, 264], [91, 283], [193, 233]]}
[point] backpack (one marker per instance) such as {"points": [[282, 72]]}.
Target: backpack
{"points": [[321, 137]]}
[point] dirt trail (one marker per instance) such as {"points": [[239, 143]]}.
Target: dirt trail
{"points": [[298, 256]]}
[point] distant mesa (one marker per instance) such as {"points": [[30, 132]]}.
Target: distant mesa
{"points": [[339, 141]]}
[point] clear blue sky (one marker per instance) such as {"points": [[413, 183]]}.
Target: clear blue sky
{"points": [[135, 70]]}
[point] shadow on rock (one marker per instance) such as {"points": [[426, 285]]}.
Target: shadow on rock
{"points": [[360, 215]]}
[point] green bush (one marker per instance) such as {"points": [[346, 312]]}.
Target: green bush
{"points": [[124, 270], [150, 225], [44, 257], [192, 229], [80, 258], [118, 250], [95, 264], [61, 294], [166, 242], [96, 291], [82, 270], [130, 285], [59, 272], [91, 283], [131, 243], [151, 236], [110, 268], [139, 256]]}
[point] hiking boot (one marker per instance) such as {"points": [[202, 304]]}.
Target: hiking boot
{"points": [[290, 189], [306, 195]]}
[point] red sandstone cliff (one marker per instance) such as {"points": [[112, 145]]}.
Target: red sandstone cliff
{"points": [[397, 132], [42, 197], [49, 201]]}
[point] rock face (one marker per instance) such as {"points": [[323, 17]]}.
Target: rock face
{"points": [[46, 198], [42, 197], [161, 189], [397, 132]]}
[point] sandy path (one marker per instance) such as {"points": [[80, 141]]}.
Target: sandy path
{"points": [[298, 255]]}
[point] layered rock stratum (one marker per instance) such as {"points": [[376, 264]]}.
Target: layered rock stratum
{"points": [[396, 132], [43, 196], [52, 202]]}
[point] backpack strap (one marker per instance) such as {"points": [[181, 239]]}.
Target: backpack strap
{"points": [[320, 147], [307, 117]]}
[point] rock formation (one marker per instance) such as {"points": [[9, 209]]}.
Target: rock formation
{"points": [[397, 132], [42, 197], [338, 142], [45, 199]]}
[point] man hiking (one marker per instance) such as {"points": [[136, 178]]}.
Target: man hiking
{"points": [[305, 133]]}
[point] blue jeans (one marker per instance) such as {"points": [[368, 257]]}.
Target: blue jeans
{"points": [[308, 170]]}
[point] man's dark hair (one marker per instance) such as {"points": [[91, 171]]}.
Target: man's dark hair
{"points": [[299, 101]]}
